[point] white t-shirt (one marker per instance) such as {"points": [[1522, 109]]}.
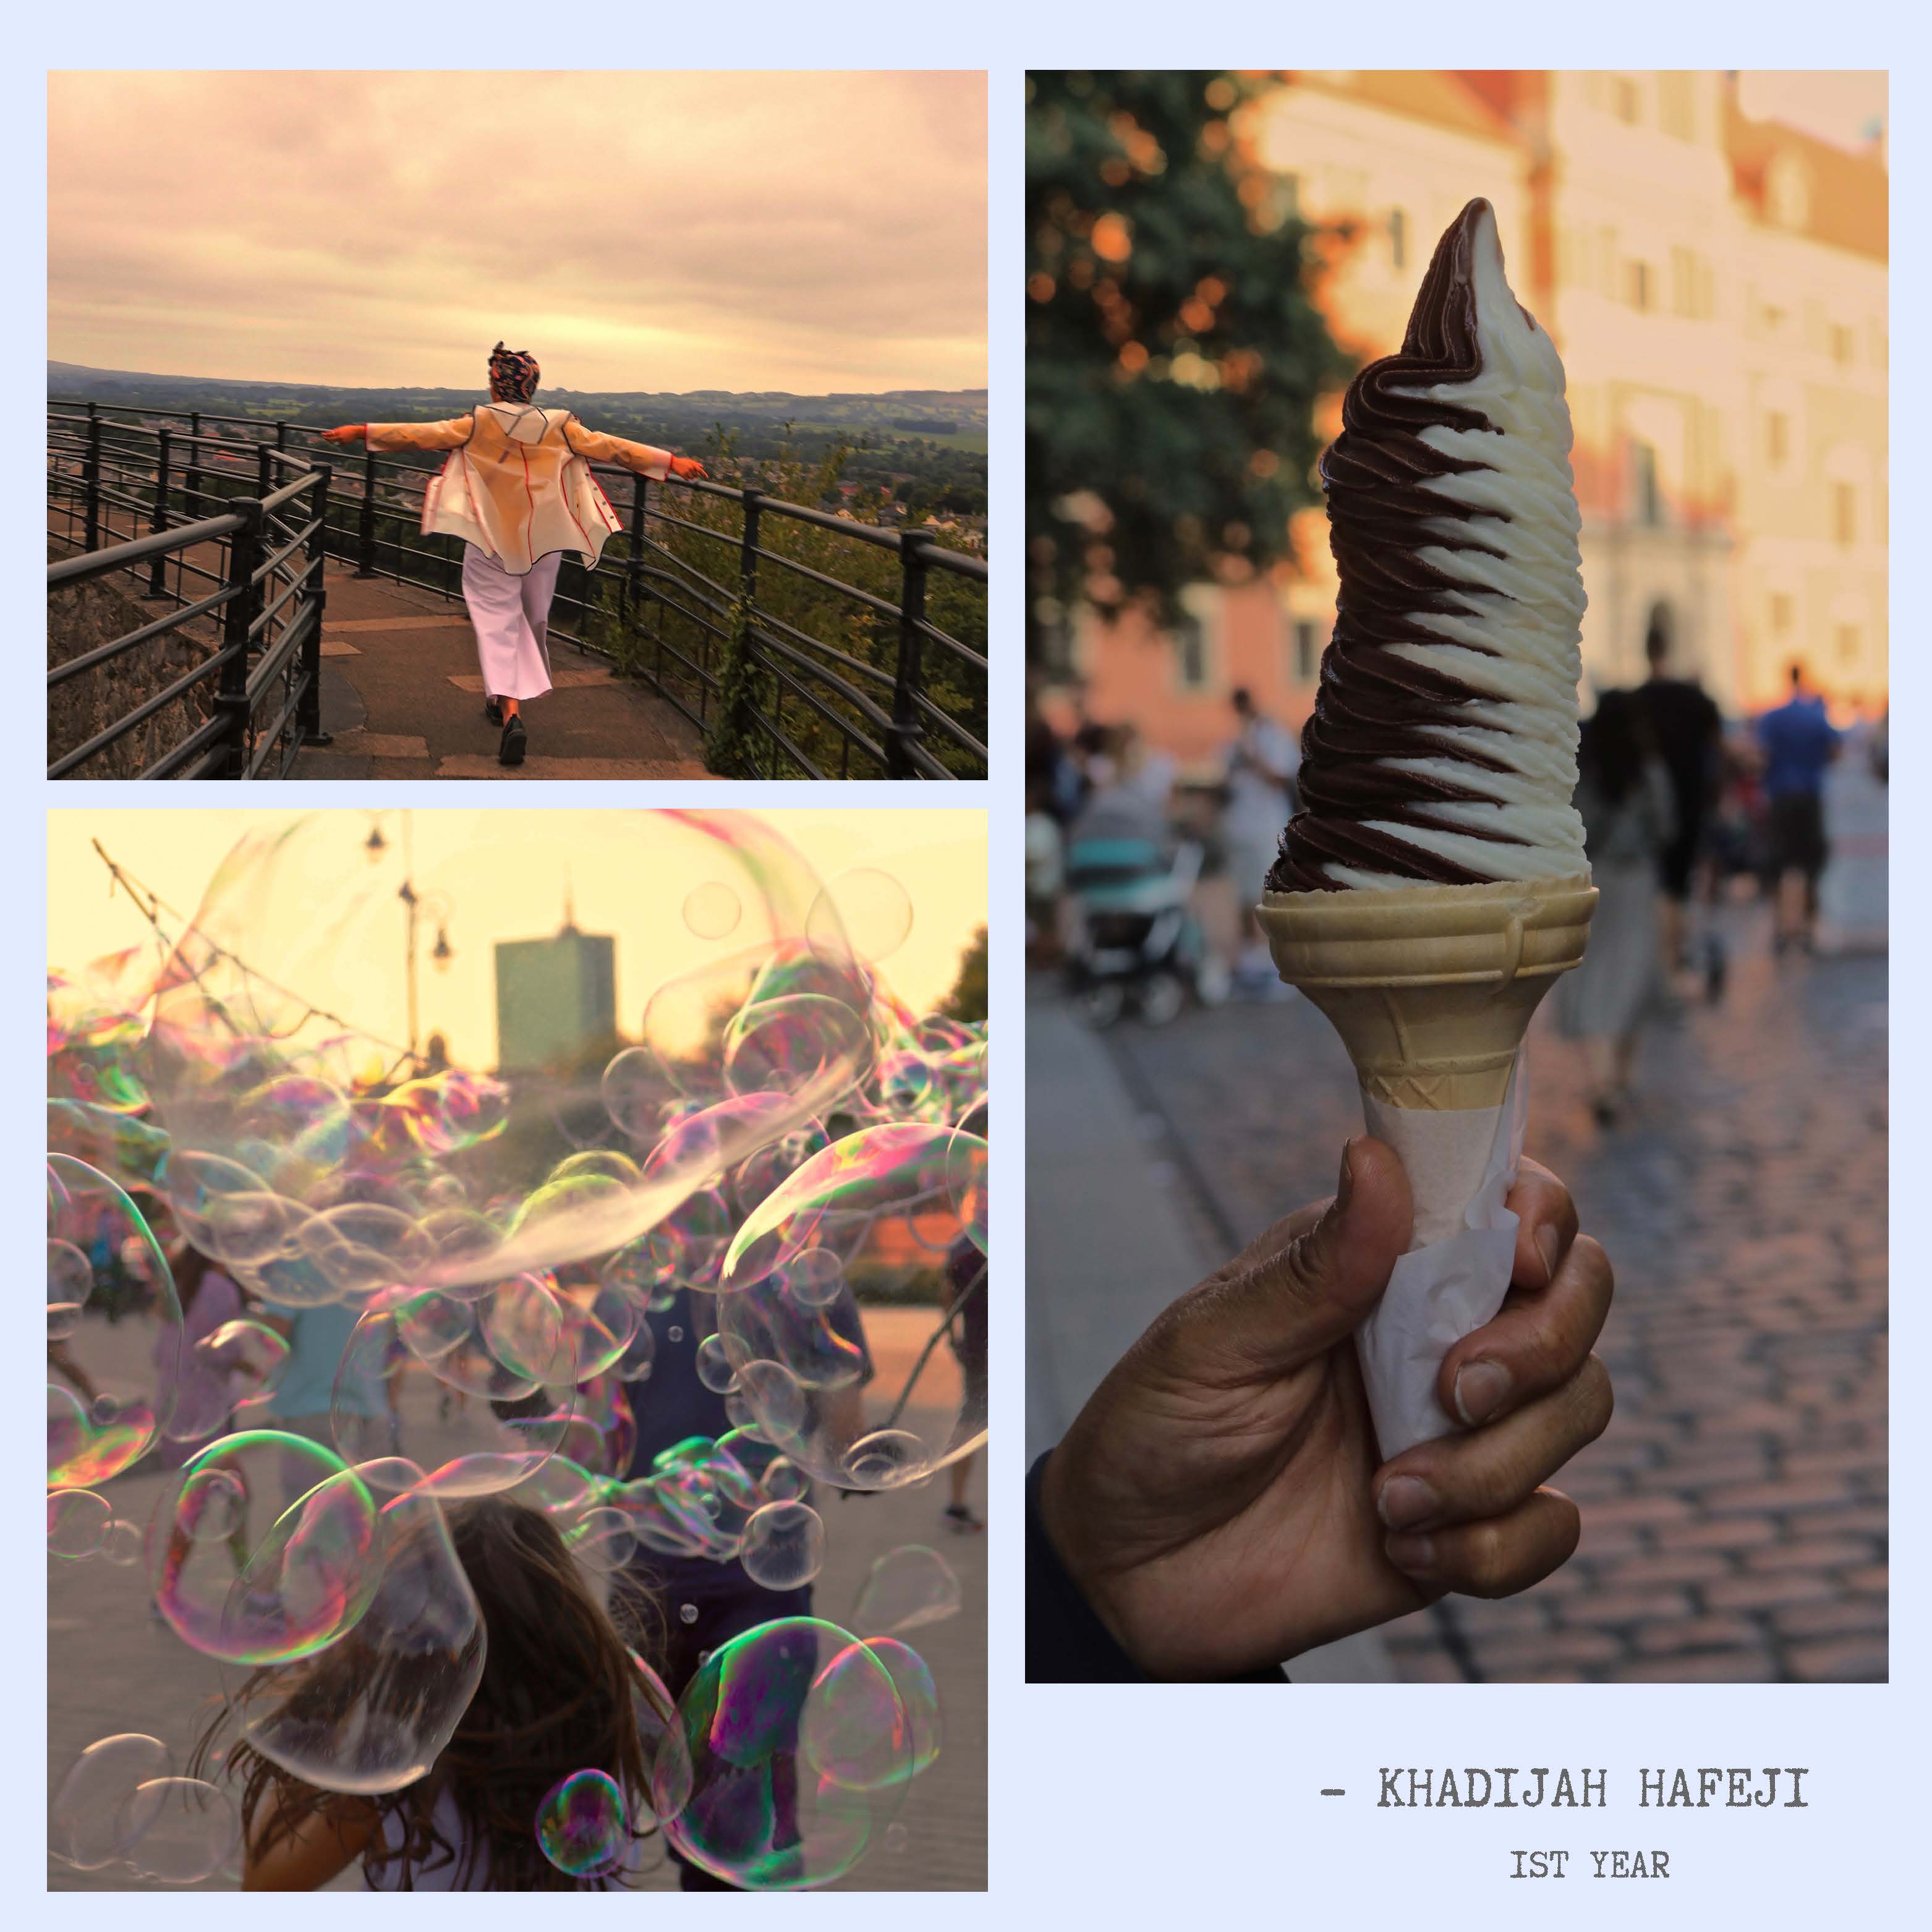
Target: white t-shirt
{"points": [[1258, 808]]}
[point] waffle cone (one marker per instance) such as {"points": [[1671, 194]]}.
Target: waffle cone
{"points": [[1431, 987]]}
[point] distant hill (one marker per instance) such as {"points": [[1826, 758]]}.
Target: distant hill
{"points": [[925, 448]]}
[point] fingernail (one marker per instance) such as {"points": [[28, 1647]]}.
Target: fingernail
{"points": [[1546, 1245], [1344, 1185], [1405, 1500], [1415, 1554], [1479, 1388]]}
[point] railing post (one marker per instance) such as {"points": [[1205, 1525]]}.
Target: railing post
{"points": [[194, 466], [262, 485], [308, 717], [633, 564], [906, 730], [729, 737], [157, 578], [365, 561], [244, 555], [90, 473]]}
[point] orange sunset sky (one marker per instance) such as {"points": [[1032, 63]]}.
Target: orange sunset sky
{"points": [[801, 232]]}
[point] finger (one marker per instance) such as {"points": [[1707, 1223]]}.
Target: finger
{"points": [[1533, 1344], [1496, 1558], [1295, 1301], [1546, 1225], [1488, 1472]]}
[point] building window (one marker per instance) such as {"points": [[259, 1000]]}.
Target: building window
{"points": [[1637, 285], [1845, 512], [1190, 653], [1307, 651], [1649, 499], [1777, 438], [1780, 613], [1398, 232], [1628, 103], [1848, 644], [1677, 106], [1842, 345]]}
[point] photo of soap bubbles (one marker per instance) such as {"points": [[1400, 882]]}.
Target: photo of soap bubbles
{"points": [[485, 1249]]}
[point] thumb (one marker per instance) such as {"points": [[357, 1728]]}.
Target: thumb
{"points": [[1292, 1304]]}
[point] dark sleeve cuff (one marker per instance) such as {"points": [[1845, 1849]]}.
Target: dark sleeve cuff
{"points": [[1066, 1643]]}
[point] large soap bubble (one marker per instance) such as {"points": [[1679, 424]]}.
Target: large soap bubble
{"points": [[87, 1826], [581, 1826], [907, 1587], [799, 1747]]}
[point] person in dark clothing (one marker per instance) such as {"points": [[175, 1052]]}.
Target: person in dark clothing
{"points": [[1220, 1504], [1798, 743], [1687, 731]]}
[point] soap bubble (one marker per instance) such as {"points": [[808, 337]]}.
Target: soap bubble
{"points": [[581, 1827], [231, 1373], [178, 1830], [687, 1613], [662, 1743], [122, 1545], [863, 914], [783, 1481], [799, 1747], [905, 1587], [263, 1545], [372, 1711], [711, 910], [85, 1818], [783, 1545], [112, 1373], [918, 1698], [895, 1838], [714, 1366], [78, 1522]]}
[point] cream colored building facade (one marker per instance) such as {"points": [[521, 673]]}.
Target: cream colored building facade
{"points": [[1717, 287]]}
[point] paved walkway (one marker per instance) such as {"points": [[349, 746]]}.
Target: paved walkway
{"points": [[401, 692]]}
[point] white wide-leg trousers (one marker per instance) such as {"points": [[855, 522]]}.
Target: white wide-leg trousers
{"points": [[511, 615]]}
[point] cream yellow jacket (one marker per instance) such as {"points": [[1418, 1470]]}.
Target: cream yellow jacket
{"points": [[518, 483]]}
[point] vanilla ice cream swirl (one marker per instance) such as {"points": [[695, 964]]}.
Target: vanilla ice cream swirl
{"points": [[1443, 746]]}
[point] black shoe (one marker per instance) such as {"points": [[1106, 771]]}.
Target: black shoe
{"points": [[492, 709], [515, 739]]}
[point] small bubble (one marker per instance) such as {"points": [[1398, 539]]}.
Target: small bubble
{"points": [[675, 1334], [895, 1837], [688, 1612]]}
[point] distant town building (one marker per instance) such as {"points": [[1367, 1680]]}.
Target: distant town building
{"points": [[1718, 288], [555, 998]]}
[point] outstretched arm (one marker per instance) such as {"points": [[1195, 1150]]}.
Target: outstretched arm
{"points": [[404, 436], [646, 461]]}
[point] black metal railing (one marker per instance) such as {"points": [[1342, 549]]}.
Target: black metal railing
{"points": [[241, 571], [833, 649]]}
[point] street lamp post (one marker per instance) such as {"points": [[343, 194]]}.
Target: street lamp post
{"points": [[416, 906]]}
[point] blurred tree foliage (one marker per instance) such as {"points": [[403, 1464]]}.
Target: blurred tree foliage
{"points": [[967, 1002], [1174, 352]]}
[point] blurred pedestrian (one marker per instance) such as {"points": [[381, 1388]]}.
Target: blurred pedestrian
{"points": [[1624, 797], [1799, 744], [1262, 763], [1687, 731], [966, 1336], [198, 1386], [352, 1415]]}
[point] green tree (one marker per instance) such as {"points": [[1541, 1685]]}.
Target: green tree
{"points": [[967, 1002], [1174, 352]]}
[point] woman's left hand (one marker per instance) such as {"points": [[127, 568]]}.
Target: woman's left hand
{"points": [[686, 467], [348, 433]]}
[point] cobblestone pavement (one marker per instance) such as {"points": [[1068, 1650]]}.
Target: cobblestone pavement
{"points": [[1734, 1513]]}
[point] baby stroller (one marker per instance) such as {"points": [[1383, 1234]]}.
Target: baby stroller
{"points": [[1134, 941]]}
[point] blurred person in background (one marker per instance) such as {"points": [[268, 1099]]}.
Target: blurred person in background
{"points": [[1798, 743], [966, 1336], [201, 1392], [1624, 797], [1262, 763], [1685, 728]]}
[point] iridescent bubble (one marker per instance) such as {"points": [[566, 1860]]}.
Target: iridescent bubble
{"points": [[918, 1698], [784, 1547], [714, 1366], [69, 1283], [581, 1826], [863, 914], [783, 1481], [179, 1830], [793, 1045], [373, 1711], [798, 1745], [966, 1184], [262, 1546], [78, 1522], [687, 1613], [666, 1753], [905, 1587], [122, 1545], [814, 1277], [85, 1819], [711, 910]]}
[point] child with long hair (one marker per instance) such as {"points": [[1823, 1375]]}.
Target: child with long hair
{"points": [[556, 1696]]}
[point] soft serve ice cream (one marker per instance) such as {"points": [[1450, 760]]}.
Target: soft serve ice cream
{"points": [[1443, 747]]}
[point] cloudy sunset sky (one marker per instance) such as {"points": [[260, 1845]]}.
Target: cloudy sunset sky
{"points": [[800, 232]]}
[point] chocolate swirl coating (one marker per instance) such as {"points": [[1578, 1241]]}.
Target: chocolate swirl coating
{"points": [[1402, 739]]}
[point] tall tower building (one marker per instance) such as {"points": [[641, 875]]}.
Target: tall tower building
{"points": [[555, 997]]}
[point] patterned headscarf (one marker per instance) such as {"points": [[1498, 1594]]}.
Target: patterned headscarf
{"points": [[513, 374]]}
